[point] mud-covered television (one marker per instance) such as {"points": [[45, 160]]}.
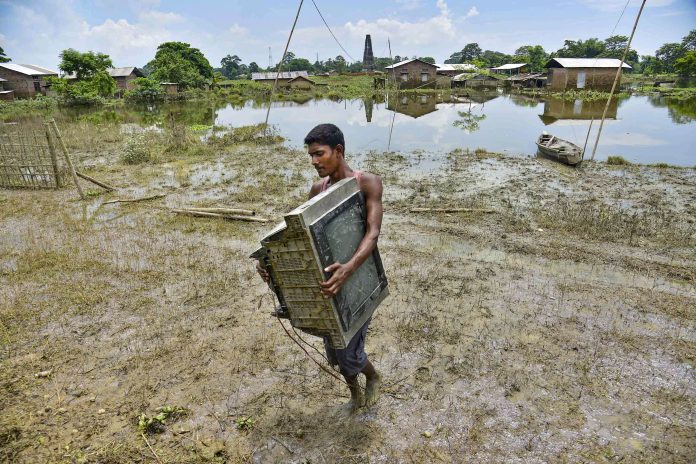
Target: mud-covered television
{"points": [[326, 229]]}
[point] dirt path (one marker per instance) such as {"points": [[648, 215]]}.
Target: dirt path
{"points": [[559, 328]]}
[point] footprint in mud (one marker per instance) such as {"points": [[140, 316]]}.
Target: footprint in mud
{"points": [[423, 374]]}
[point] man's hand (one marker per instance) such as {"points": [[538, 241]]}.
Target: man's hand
{"points": [[340, 273], [262, 272]]}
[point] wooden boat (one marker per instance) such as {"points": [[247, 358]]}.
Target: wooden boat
{"points": [[559, 149]]}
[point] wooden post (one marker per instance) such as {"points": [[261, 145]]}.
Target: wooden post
{"points": [[67, 158], [54, 157]]}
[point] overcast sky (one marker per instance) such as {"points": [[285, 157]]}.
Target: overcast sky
{"points": [[35, 32]]}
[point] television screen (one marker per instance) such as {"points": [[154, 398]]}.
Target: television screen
{"points": [[337, 236]]}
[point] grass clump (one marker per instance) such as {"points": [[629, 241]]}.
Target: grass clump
{"points": [[258, 134], [149, 425], [136, 150], [618, 161]]}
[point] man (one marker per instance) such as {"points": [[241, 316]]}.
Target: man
{"points": [[326, 148]]}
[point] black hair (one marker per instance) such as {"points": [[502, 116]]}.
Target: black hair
{"points": [[326, 134]]}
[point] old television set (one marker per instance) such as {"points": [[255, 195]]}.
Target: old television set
{"points": [[326, 229]]}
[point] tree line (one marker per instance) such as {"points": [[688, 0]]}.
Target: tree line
{"points": [[186, 65], [669, 58]]}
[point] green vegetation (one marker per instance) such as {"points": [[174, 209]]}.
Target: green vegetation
{"points": [[146, 89], [3, 57], [150, 425], [92, 81], [179, 62], [136, 150], [617, 161]]}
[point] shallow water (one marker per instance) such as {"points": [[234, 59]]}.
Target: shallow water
{"points": [[642, 129]]}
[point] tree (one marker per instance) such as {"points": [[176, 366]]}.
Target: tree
{"points": [[427, 59], [253, 67], [3, 57], [649, 64], [298, 64], [83, 65], [689, 40], [493, 59], [471, 51], [668, 54], [589, 48], [179, 62], [340, 63], [230, 66], [534, 55], [686, 65]]}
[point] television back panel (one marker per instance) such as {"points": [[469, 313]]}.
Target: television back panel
{"points": [[326, 229]]}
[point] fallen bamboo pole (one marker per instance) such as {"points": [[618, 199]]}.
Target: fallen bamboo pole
{"points": [[217, 215], [54, 156], [133, 200], [95, 181], [67, 158], [452, 210], [242, 212]]}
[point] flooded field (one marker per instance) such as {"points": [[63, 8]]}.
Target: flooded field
{"points": [[559, 327], [642, 129]]}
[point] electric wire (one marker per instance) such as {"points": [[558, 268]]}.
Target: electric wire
{"points": [[332, 34]]}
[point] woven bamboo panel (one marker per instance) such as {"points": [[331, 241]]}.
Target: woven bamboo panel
{"points": [[26, 158]]}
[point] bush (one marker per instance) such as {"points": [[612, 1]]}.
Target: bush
{"points": [[136, 150], [248, 134], [617, 161], [146, 90]]}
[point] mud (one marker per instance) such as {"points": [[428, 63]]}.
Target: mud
{"points": [[559, 328]]}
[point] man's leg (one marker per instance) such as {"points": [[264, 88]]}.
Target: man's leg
{"points": [[357, 400], [372, 383]]}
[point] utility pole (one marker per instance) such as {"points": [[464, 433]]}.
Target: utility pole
{"points": [[270, 58]]}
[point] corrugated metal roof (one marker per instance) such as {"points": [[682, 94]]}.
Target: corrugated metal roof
{"points": [[510, 66], [115, 72], [401, 63], [28, 69], [588, 63], [3, 80], [283, 75], [456, 67]]}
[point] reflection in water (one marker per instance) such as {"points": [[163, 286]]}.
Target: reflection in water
{"points": [[642, 129], [557, 109], [412, 105], [680, 111]]}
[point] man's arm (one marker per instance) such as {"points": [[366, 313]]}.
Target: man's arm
{"points": [[372, 189]]}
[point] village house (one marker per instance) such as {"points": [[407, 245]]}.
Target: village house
{"points": [[170, 88], [582, 73], [26, 80], [124, 77], [452, 70], [412, 73], [470, 80], [511, 68], [301, 83], [5, 94], [284, 78]]}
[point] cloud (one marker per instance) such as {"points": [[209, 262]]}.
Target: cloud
{"points": [[473, 11], [238, 30]]}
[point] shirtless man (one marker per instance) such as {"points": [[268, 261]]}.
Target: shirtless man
{"points": [[326, 148]]}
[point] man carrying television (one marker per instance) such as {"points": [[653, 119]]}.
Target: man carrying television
{"points": [[326, 148]]}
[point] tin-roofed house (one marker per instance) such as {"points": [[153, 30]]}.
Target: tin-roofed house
{"points": [[5, 94], [284, 78], [124, 77], [511, 68], [412, 73], [26, 80], [583, 73]]}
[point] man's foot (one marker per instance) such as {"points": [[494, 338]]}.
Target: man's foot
{"points": [[372, 389], [356, 403]]}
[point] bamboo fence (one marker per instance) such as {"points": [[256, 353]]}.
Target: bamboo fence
{"points": [[28, 157]]}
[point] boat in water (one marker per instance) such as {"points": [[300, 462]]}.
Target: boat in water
{"points": [[559, 149]]}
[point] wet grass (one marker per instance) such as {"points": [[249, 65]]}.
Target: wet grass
{"points": [[492, 346]]}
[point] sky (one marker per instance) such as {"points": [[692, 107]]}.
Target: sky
{"points": [[35, 31]]}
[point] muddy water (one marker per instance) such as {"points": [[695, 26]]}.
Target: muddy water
{"points": [[642, 129]]}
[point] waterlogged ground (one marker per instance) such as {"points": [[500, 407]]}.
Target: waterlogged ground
{"points": [[559, 327]]}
